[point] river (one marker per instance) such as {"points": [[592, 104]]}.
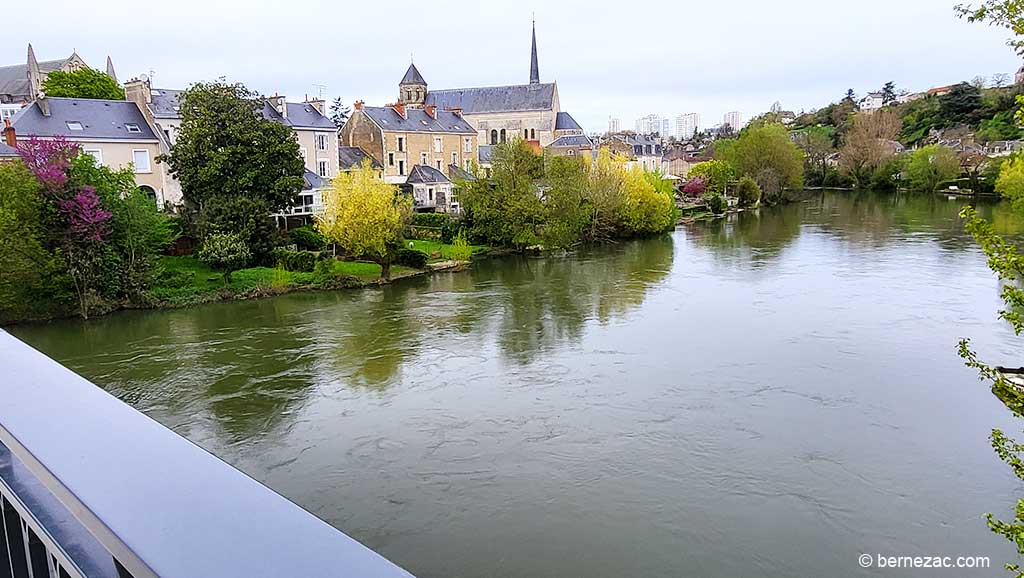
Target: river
{"points": [[767, 395]]}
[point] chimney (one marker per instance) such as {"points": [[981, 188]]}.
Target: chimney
{"points": [[400, 109], [44, 106], [139, 92], [318, 104], [457, 111], [277, 101], [358, 105], [431, 111], [9, 135]]}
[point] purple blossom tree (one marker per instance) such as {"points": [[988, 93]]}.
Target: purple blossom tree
{"points": [[49, 160], [87, 220], [695, 187]]}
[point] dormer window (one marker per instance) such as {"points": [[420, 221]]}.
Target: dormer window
{"points": [[132, 127], [74, 125]]}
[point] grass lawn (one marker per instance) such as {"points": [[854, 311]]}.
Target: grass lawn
{"points": [[429, 246], [183, 278]]}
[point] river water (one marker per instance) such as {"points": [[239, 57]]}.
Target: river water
{"points": [[767, 395]]}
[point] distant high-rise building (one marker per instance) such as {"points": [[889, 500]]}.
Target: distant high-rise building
{"points": [[734, 119], [614, 125], [687, 125], [649, 124]]}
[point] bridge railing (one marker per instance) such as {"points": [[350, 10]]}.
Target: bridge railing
{"points": [[92, 488]]}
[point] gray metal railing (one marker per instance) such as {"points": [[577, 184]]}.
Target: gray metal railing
{"points": [[92, 488]]}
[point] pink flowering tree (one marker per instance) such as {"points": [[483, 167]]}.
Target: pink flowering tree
{"points": [[49, 160], [695, 187]]}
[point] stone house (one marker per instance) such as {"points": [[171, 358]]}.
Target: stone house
{"points": [[402, 138], [569, 138]]}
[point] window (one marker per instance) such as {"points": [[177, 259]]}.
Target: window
{"points": [[401, 144], [437, 144], [430, 195], [302, 153], [391, 159], [8, 111], [571, 152], [423, 158], [74, 125], [455, 159], [438, 164], [401, 167], [140, 158], [467, 164], [322, 140], [132, 128], [96, 154], [526, 134], [502, 135], [494, 137], [323, 168], [533, 135], [467, 145]]}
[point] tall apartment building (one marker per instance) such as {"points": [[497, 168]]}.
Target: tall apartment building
{"points": [[649, 124], [614, 125], [733, 119], [687, 125]]}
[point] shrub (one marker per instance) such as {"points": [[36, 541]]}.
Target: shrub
{"points": [[461, 250], [449, 230], [748, 192], [226, 252], [695, 187], [430, 219], [303, 261], [715, 202], [306, 237], [412, 258]]}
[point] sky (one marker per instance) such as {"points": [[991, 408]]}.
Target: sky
{"points": [[609, 59]]}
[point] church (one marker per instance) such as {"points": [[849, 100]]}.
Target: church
{"points": [[498, 113]]}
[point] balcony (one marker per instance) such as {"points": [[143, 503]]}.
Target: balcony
{"points": [[91, 488]]}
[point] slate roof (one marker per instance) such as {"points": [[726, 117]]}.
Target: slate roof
{"points": [[425, 175], [101, 119], [14, 78], [164, 104], [456, 173], [513, 98], [313, 181], [412, 76], [7, 151], [484, 154], [352, 158], [572, 140], [565, 121], [417, 120]]}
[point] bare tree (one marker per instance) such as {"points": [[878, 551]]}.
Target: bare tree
{"points": [[869, 144], [1000, 79]]}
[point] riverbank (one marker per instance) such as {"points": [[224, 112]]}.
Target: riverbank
{"points": [[184, 281]]}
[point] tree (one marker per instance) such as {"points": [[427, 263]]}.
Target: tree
{"points": [[930, 165], [339, 112], [695, 187], [1000, 79], [365, 216], [567, 209], [82, 83], [748, 192], [225, 252], [1010, 183], [868, 144], [888, 93], [85, 234], [23, 258], [227, 154], [605, 194], [510, 212], [816, 142], [979, 82], [767, 155], [961, 105], [715, 173], [850, 98], [973, 164], [648, 206]]}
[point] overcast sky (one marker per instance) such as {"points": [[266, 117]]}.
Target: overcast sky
{"points": [[622, 59]]}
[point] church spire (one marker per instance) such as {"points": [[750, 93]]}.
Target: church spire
{"points": [[35, 78], [110, 69], [534, 70]]}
